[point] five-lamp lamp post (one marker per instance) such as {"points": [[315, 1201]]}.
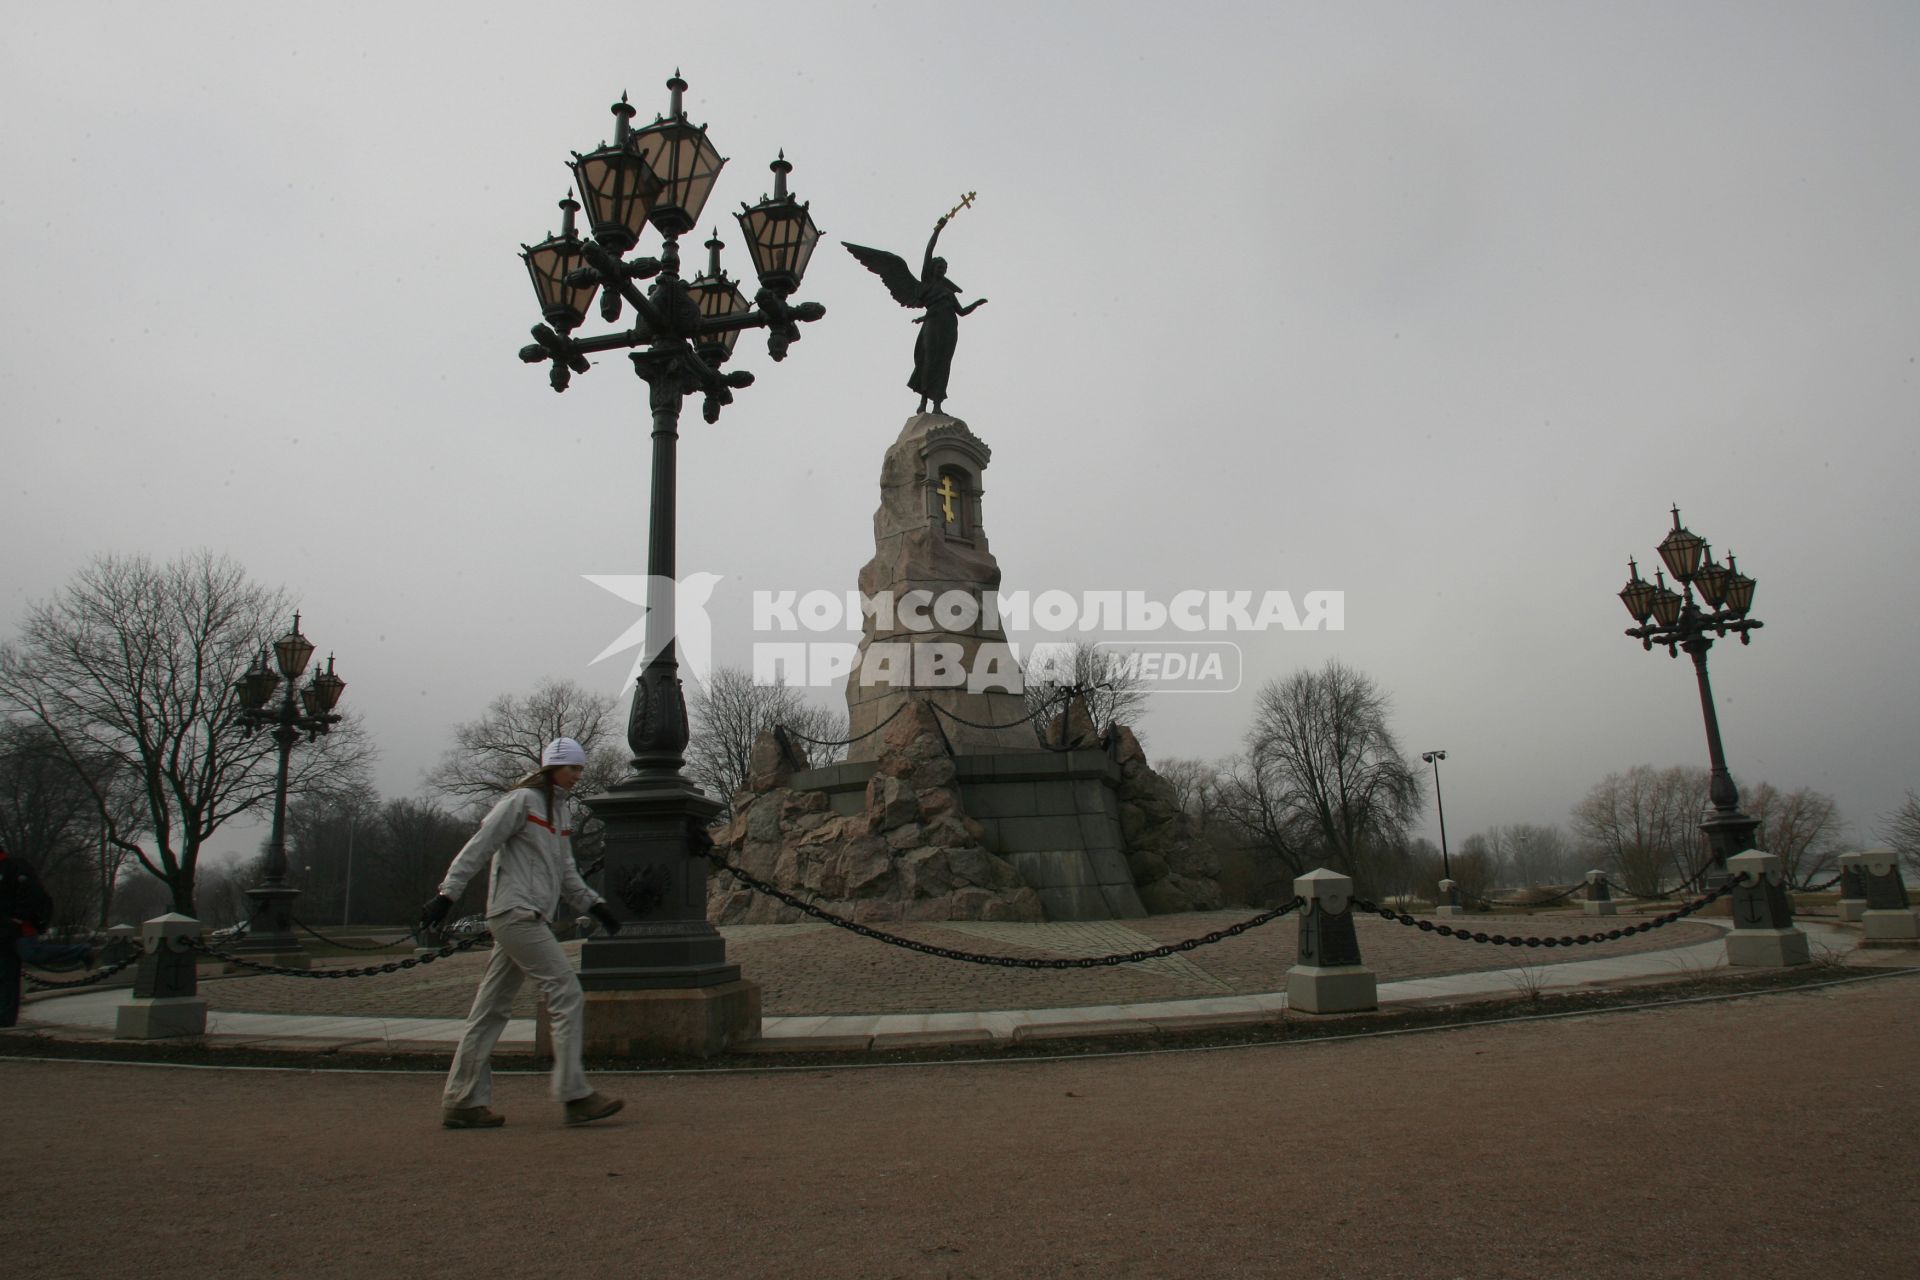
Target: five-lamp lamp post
{"points": [[299, 710], [1679, 621], [682, 333]]}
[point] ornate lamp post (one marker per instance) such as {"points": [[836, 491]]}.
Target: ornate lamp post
{"points": [[1680, 622], [682, 333], [1434, 758], [299, 711]]}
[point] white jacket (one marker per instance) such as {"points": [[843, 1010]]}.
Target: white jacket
{"points": [[532, 857]]}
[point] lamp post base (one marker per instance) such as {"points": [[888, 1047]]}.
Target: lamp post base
{"points": [[663, 985], [270, 938], [688, 1021]]}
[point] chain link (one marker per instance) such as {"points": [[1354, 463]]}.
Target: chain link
{"points": [[1005, 962], [98, 975], [1565, 940], [353, 946], [1818, 888], [842, 742], [368, 971]]}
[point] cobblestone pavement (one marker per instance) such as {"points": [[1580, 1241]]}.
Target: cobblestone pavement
{"points": [[813, 968]]}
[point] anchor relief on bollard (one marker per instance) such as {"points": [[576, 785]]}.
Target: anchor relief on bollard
{"points": [[1763, 931], [1329, 977]]}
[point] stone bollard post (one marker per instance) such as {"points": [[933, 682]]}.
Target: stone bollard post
{"points": [[1888, 917], [1329, 977], [119, 944], [1449, 904], [1853, 897], [1763, 931], [166, 999], [1599, 896]]}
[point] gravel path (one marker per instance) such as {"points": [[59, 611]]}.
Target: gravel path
{"points": [[1761, 1137]]}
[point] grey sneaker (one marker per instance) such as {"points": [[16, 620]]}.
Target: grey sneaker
{"points": [[595, 1106], [471, 1118]]}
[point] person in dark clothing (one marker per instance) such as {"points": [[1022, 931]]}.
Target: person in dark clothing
{"points": [[26, 908]]}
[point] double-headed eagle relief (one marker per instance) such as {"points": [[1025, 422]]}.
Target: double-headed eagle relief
{"points": [[932, 292]]}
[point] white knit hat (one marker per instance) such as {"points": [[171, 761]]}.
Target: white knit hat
{"points": [[562, 751]]}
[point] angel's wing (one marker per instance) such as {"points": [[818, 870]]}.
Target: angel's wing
{"points": [[893, 272]]}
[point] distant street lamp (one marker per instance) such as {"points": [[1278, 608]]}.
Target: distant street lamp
{"points": [[299, 711], [1674, 619], [661, 175], [1434, 758]]}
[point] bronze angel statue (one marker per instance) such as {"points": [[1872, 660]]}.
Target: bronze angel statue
{"points": [[938, 296]]}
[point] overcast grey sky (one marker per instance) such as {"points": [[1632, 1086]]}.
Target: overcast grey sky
{"points": [[1439, 305]]}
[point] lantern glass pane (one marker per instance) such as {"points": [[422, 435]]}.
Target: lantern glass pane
{"points": [[1666, 606], [1712, 580], [1740, 593], [781, 237], [617, 187], [1682, 551], [718, 297], [686, 166], [292, 652], [549, 264]]}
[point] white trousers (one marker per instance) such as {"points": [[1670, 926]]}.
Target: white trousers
{"points": [[522, 944]]}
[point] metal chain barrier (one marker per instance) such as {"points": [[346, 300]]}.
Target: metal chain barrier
{"points": [[1005, 962], [1818, 888], [1565, 940], [352, 946], [1522, 906], [98, 975], [842, 742], [368, 971]]}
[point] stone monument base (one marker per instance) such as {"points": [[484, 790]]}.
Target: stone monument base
{"points": [[161, 1018], [1767, 948], [1444, 910], [693, 1021], [1607, 908], [1346, 988], [1890, 926], [1851, 909]]}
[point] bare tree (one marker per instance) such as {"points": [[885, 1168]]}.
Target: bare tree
{"points": [[1196, 787], [1113, 690], [734, 711], [1803, 827], [1530, 855], [1901, 830], [130, 671], [491, 753], [1323, 778], [1646, 823]]}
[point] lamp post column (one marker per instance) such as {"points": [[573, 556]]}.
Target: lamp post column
{"points": [[1728, 831], [270, 923]]}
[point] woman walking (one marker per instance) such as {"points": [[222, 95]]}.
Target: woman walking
{"points": [[526, 836]]}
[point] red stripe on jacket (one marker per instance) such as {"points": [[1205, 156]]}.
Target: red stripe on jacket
{"points": [[538, 821]]}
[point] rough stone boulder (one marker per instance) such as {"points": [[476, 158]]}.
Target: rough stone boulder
{"points": [[912, 853], [1173, 868]]}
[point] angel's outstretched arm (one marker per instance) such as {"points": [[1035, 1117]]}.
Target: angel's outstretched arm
{"points": [[926, 263]]}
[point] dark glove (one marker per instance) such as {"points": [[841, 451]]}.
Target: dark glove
{"points": [[604, 914], [435, 912]]}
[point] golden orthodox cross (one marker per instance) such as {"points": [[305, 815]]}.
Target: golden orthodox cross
{"points": [[947, 494]]}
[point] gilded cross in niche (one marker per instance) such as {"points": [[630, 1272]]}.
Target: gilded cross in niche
{"points": [[947, 494]]}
